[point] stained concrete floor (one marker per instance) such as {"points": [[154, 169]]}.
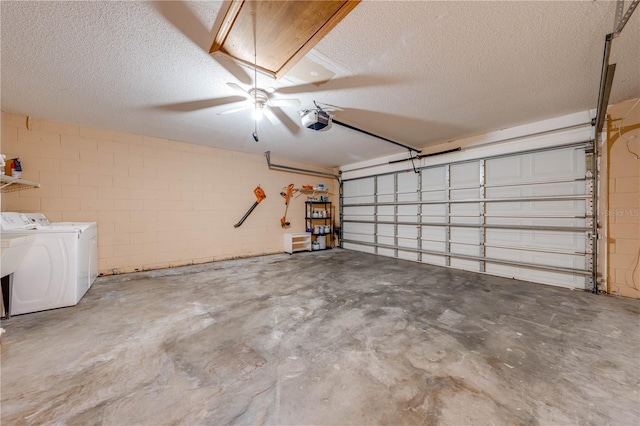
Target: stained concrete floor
{"points": [[333, 337]]}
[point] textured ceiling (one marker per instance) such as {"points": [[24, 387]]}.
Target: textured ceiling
{"points": [[417, 72]]}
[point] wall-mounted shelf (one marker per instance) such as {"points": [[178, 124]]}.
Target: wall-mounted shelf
{"points": [[311, 193], [10, 184]]}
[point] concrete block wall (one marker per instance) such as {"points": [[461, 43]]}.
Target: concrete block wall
{"points": [[623, 210], [158, 203]]}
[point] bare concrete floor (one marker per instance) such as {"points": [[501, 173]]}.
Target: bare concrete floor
{"points": [[333, 337]]}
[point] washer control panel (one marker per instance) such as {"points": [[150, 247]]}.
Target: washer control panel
{"points": [[14, 221]]}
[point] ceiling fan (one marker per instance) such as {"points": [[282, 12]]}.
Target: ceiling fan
{"points": [[260, 100], [260, 103]]}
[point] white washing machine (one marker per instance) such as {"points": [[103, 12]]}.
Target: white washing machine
{"points": [[60, 265]]}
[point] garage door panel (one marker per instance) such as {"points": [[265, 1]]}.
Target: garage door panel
{"points": [[465, 194], [358, 237], [434, 219], [434, 196], [465, 235], [410, 231], [408, 182], [434, 245], [358, 247], [464, 175], [466, 209], [522, 239], [505, 192], [359, 228], [434, 260], [535, 239], [433, 179], [558, 163], [408, 196], [386, 184], [386, 230], [465, 265], [470, 220], [386, 252], [504, 170], [560, 208], [437, 210], [386, 198], [537, 258], [434, 233], [562, 240], [467, 249], [407, 255], [408, 213], [505, 208], [408, 242], [537, 221], [386, 211], [558, 189], [538, 276], [359, 211], [386, 240], [358, 191]]}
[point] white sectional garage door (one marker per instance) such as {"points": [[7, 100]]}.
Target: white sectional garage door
{"points": [[526, 216]]}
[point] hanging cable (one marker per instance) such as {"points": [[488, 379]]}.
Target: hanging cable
{"points": [[255, 76], [412, 163], [620, 126]]}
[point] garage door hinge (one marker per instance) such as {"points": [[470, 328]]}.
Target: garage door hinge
{"points": [[594, 236]]}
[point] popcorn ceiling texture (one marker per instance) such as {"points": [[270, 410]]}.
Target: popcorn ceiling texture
{"points": [[418, 72]]}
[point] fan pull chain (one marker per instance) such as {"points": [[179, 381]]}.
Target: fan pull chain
{"points": [[255, 131], [255, 84]]}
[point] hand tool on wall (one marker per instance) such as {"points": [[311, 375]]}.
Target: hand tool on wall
{"points": [[287, 196], [260, 195]]}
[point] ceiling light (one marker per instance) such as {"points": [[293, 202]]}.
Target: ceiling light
{"points": [[257, 112]]}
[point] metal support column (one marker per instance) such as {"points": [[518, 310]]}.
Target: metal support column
{"points": [[375, 214], [592, 215], [395, 214], [419, 214], [483, 219], [447, 215]]}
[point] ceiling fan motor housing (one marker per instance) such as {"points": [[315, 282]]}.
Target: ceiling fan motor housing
{"points": [[259, 96], [316, 120]]}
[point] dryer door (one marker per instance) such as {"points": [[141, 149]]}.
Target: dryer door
{"points": [[42, 278]]}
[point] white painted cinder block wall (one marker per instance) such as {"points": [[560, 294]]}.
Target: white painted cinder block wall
{"points": [[158, 203]]}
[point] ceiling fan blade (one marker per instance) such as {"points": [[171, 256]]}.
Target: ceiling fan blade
{"points": [[180, 15], [201, 104], [233, 110], [291, 125], [285, 102], [239, 89], [270, 116]]}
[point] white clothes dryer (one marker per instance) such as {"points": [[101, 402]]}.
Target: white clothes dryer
{"points": [[59, 267]]}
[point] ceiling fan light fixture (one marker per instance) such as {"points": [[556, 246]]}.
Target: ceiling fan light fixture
{"points": [[257, 113]]}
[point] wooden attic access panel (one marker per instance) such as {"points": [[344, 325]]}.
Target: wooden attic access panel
{"points": [[283, 31]]}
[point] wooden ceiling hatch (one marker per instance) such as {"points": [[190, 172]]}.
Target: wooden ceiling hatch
{"points": [[276, 34]]}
